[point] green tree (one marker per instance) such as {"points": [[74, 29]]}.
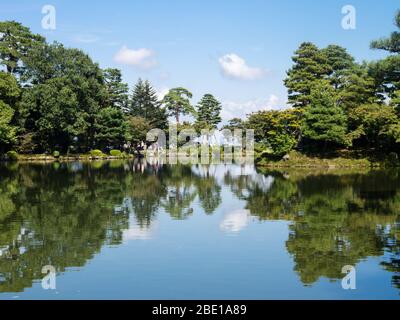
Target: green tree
{"points": [[374, 125], [310, 65], [340, 62], [275, 131], [235, 123], [117, 91], [358, 88], [324, 121], [144, 103], [16, 41], [177, 101], [67, 92], [9, 95], [391, 44], [111, 128], [137, 130], [51, 112], [208, 112], [386, 71]]}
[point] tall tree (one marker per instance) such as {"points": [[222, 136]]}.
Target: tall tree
{"points": [[144, 103], [386, 71], [274, 130], [16, 41], [392, 43], [111, 128], [67, 92], [208, 112], [117, 91], [310, 65], [358, 87], [341, 63], [177, 102], [324, 121], [9, 94]]}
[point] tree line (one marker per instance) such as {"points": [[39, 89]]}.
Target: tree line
{"points": [[57, 98], [336, 103]]}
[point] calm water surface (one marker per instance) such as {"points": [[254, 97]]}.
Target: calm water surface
{"points": [[129, 230]]}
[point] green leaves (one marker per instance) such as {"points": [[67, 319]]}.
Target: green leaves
{"points": [[275, 130], [310, 65], [391, 44], [323, 120], [144, 103], [9, 94], [111, 128], [16, 41], [177, 101], [208, 112]]}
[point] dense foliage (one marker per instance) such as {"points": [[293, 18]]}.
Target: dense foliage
{"points": [[338, 102], [57, 98]]}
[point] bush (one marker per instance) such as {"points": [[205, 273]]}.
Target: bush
{"points": [[96, 153], [115, 153], [56, 154], [12, 155]]}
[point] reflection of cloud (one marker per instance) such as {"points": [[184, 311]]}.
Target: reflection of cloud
{"points": [[136, 232], [235, 221]]}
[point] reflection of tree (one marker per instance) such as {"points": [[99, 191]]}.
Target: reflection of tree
{"points": [[181, 194], [336, 219], [62, 214], [392, 246], [55, 218], [209, 191]]}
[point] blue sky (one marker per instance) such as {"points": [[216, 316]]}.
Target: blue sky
{"points": [[237, 50]]}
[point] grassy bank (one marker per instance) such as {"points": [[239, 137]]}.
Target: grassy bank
{"points": [[64, 158], [336, 159]]}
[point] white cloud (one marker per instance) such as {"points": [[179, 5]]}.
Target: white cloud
{"points": [[141, 58], [161, 93], [235, 67], [233, 109]]}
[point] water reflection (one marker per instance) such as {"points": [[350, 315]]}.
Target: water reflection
{"points": [[235, 221], [63, 214]]}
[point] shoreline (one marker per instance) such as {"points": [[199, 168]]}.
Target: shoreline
{"points": [[303, 163]]}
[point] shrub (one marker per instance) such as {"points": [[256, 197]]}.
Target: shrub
{"points": [[56, 154], [12, 155], [96, 153], [115, 153]]}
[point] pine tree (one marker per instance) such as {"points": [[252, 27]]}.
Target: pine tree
{"points": [[324, 121], [16, 41], [116, 89], [310, 65], [177, 102], [144, 103], [208, 112], [340, 62], [386, 71]]}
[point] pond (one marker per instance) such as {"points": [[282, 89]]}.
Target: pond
{"points": [[138, 230]]}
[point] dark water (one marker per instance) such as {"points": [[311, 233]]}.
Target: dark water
{"points": [[132, 231]]}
